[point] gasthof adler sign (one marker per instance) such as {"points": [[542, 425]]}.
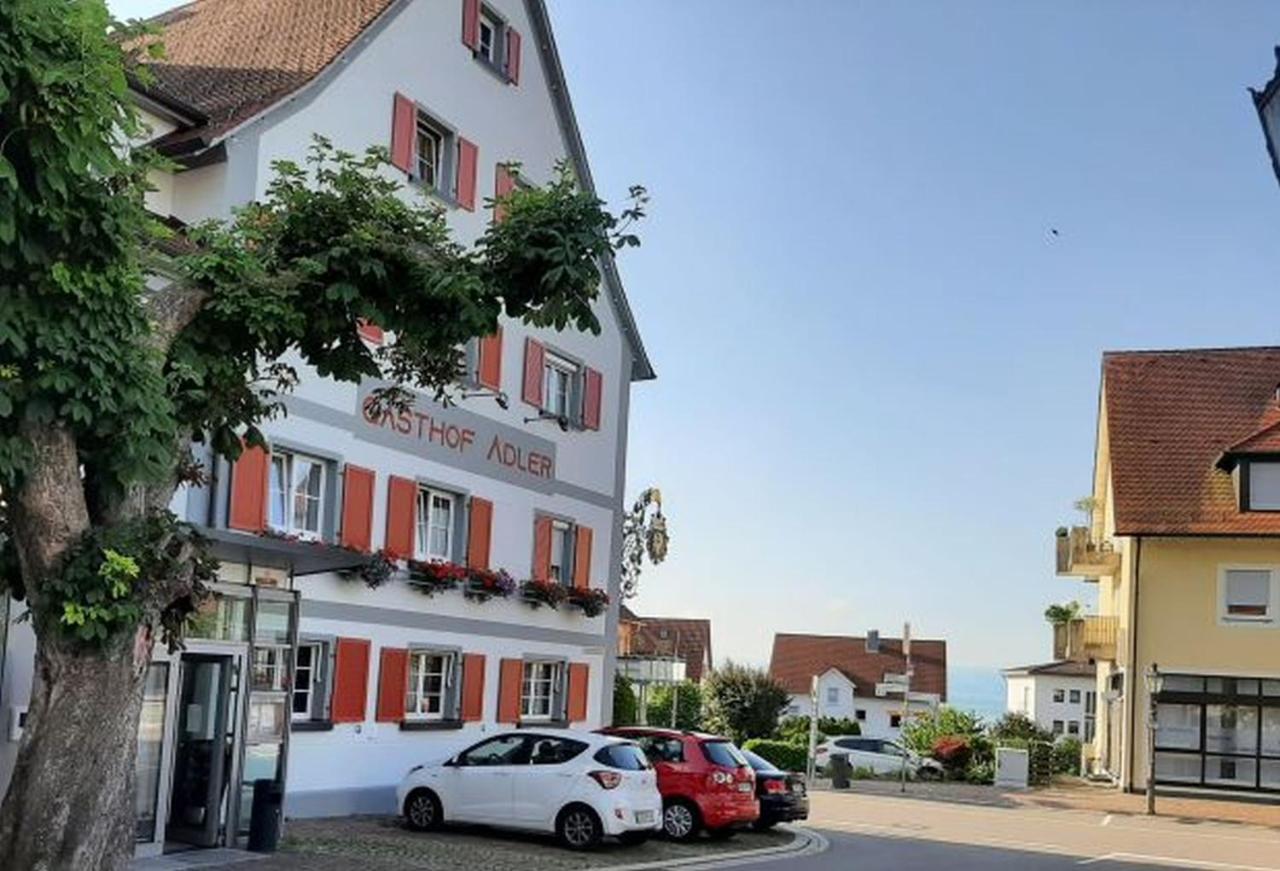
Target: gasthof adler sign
{"points": [[459, 438]]}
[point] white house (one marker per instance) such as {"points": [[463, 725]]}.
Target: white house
{"points": [[854, 677], [1060, 696], [300, 671]]}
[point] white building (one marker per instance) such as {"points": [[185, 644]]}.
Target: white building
{"points": [[855, 677], [1061, 697], [306, 675]]}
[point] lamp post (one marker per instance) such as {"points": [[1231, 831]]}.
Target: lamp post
{"points": [[1155, 682]]}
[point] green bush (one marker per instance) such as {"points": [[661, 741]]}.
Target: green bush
{"points": [[624, 702], [980, 772], [688, 706], [1066, 756], [920, 733], [1015, 726], [742, 702], [796, 729], [784, 754]]}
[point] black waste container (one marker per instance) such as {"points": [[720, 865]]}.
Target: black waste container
{"points": [[264, 822], [840, 771]]}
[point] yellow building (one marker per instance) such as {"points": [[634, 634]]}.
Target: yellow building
{"points": [[1184, 545]]}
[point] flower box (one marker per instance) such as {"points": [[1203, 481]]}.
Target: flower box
{"points": [[592, 601], [539, 593], [483, 585], [436, 577]]}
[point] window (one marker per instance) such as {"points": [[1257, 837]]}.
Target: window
{"points": [[306, 681], [430, 678], [1263, 486], [503, 750], [269, 668], [555, 751], [560, 550], [434, 538], [559, 377], [539, 690], [297, 494], [490, 30], [1247, 596], [431, 142], [860, 715], [1075, 697], [895, 721], [725, 754], [833, 695], [1057, 727], [658, 749], [1073, 727], [626, 757], [1059, 696]]}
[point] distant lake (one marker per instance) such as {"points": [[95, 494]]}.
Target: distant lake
{"points": [[976, 688]]}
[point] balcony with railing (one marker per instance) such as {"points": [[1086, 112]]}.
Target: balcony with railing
{"points": [[1086, 639], [1080, 555]]}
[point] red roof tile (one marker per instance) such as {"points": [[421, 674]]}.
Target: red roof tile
{"points": [[797, 658], [687, 638], [1171, 415]]}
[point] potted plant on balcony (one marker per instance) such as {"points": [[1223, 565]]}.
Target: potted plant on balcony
{"points": [[539, 593], [483, 585], [592, 601], [435, 577]]}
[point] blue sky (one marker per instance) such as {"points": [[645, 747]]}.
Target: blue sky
{"points": [[878, 369]]}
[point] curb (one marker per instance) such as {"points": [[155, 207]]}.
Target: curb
{"points": [[806, 843]]}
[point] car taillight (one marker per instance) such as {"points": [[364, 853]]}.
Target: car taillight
{"points": [[606, 779], [720, 778], [775, 786]]}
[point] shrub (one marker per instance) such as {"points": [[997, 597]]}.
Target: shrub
{"points": [[1066, 756], [954, 752], [796, 729], [624, 701], [920, 732], [1015, 726], [981, 772], [688, 706], [742, 702], [785, 755]]}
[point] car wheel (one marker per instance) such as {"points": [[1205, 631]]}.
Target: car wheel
{"points": [[679, 820], [634, 839], [578, 827], [422, 810], [721, 834], [928, 774]]}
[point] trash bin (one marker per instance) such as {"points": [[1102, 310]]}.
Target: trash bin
{"points": [[840, 770], [267, 814]]}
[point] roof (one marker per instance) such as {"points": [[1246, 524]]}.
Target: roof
{"points": [[1176, 421], [686, 637], [1058, 668], [797, 658], [227, 61]]}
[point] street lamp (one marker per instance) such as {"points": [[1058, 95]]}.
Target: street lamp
{"points": [[1155, 682]]}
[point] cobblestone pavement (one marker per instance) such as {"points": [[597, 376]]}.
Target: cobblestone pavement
{"points": [[384, 844]]}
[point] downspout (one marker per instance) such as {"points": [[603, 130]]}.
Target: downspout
{"points": [[1131, 684]]}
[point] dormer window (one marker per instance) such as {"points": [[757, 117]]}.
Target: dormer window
{"points": [[1262, 490]]}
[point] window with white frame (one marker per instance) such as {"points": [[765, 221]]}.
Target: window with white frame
{"points": [[561, 536], [297, 494], [434, 539], [558, 379], [1264, 485], [431, 153], [268, 673], [307, 670], [490, 47], [430, 678], [1247, 595], [539, 689]]}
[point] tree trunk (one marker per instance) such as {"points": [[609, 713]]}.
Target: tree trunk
{"points": [[70, 804]]}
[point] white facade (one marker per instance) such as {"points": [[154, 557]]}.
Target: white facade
{"points": [[877, 717], [1061, 704], [352, 764]]}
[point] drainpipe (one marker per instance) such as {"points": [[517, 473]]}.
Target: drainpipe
{"points": [[1130, 687]]}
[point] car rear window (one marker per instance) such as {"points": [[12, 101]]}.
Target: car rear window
{"points": [[723, 753], [624, 756], [758, 762]]}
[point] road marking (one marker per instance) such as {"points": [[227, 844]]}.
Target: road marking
{"points": [[1106, 821], [807, 842], [915, 834], [1174, 862]]}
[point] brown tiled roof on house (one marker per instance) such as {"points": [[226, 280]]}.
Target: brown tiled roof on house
{"points": [[1057, 668], [797, 658], [687, 638], [1175, 421], [231, 59]]}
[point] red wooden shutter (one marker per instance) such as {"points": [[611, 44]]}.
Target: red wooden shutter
{"points": [[350, 680], [248, 510], [489, 371], [579, 681], [534, 358], [503, 184], [471, 24], [479, 533], [402, 508], [369, 332], [513, 55], [393, 681], [472, 687], [357, 508], [592, 394], [542, 548], [404, 121], [582, 558], [510, 677], [468, 158]]}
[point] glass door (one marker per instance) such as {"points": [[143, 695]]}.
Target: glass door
{"points": [[203, 749]]}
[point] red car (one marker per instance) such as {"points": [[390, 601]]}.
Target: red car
{"points": [[705, 781]]}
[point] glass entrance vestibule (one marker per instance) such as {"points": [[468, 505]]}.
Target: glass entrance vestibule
{"points": [[215, 715]]}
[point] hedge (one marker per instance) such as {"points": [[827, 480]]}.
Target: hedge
{"points": [[787, 756]]}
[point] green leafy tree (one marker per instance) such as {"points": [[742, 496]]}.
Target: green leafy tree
{"points": [[1017, 726], [743, 702], [115, 358], [624, 701], [688, 706], [1057, 615]]}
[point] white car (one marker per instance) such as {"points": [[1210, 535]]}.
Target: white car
{"points": [[578, 785], [880, 755]]}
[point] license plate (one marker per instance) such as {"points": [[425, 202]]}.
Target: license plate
{"points": [[797, 788], [744, 787], [644, 817]]}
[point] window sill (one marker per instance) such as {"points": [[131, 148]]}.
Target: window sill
{"points": [[492, 67], [429, 725], [311, 726], [443, 197], [543, 724]]}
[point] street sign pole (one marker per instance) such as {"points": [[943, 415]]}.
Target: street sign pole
{"points": [[906, 699], [813, 728]]}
